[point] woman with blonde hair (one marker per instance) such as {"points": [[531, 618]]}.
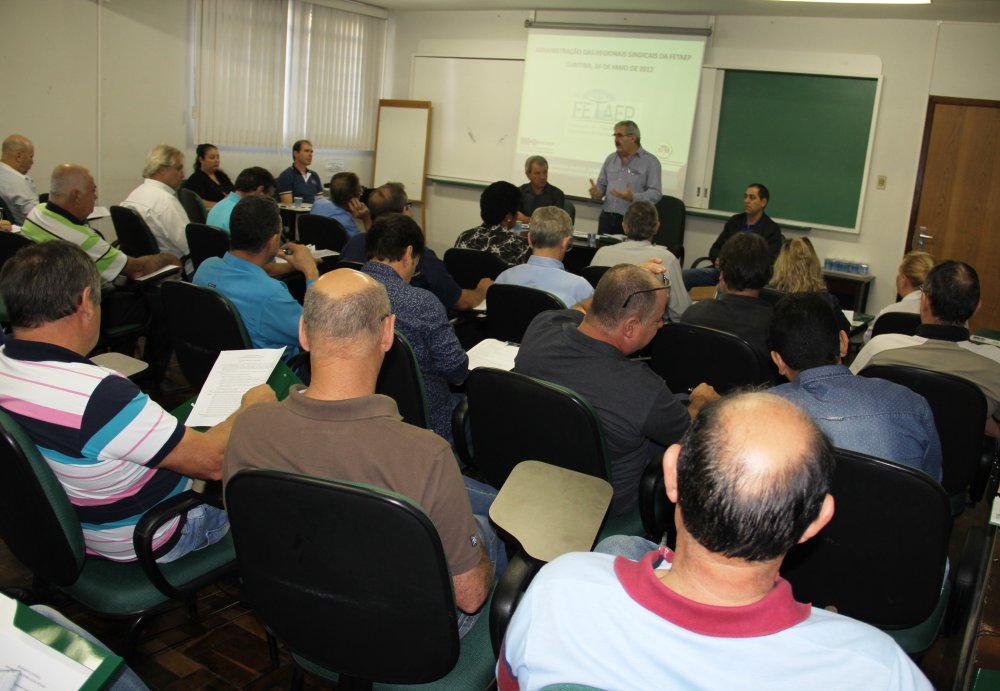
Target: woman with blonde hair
{"points": [[910, 279], [798, 270]]}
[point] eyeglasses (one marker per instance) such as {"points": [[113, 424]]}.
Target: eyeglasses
{"points": [[665, 286]]}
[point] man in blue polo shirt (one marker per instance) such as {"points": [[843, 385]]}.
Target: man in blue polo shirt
{"points": [[269, 312], [297, 180], [255, 181]]}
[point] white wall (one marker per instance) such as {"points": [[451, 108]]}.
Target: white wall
{"points": [[110, 81], [956, 58]]}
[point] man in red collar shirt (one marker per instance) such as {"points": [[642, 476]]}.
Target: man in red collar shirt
{"points": [[714, 614]]}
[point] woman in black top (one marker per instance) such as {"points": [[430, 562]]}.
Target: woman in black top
{"points": [[208, 181]]}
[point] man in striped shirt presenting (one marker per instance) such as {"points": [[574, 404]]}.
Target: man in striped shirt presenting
{"points": [[116, 452]]}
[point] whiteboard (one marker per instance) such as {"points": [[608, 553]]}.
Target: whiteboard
{"points": [[401, 145], [476, 104]]}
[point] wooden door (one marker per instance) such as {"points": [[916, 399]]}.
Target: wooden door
{"points": [[957, 198]]}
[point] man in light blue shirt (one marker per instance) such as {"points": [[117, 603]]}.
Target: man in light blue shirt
{"points": [[346, 207], [630, 174], [867, 415], [255, 181], [550, 237], [269, 312]]}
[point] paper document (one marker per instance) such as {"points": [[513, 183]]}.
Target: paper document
{"points": [[316, 254], [234, 373], [163, 271], [31, 664], [493, 353], [98, 212]]}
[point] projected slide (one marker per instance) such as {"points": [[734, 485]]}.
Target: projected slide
{"points": [[577, 86]]}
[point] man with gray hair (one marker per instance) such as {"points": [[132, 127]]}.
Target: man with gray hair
{"points": [[17, 189], [640, 225], [589, 353], [537, 192], [339, 428], [628, 175], [156, 199], [550, 237]]}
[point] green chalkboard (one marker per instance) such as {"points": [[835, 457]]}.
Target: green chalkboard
{"points": [[804, 136]]}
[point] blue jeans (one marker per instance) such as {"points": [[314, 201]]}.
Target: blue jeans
{"points": [[205, 525], [124, 680], [631, 547], [702, 276]]}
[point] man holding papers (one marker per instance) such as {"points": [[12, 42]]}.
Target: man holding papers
{"points": [[269, 312], [115, 451]]}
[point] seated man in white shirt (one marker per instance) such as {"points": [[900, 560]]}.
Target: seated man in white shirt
{"points": [[156, 199], [17, 189], [550, 237], [640, 224]]}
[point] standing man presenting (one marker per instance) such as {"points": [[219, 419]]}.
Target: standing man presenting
{"points": [[752, 220], [297, 180], [629, 174]]}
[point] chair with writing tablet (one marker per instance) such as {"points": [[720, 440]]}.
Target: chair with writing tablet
{"points": [[321, 232], [673, 216], [194, 205], [686, 355], [134, 237], [205, 241], [594, 274], [41, 528], [353, 580], [469, 267], [959, 408], [202, 323], [896, 323], [510, 309], [510, 419]]}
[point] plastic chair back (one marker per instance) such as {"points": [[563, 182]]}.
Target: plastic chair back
{"points": [[772, 295], [511, 419], [510, 309], [673, 218], [202, 323], [593, 274], [134, 237], [400, 379], [37, 522], [570, 208], [321, 567], [896, 323], [193, 205], [10, 243], [686, 355], [959, 408], [322, 232], [205, 241], [469, 267], [881, 559]]}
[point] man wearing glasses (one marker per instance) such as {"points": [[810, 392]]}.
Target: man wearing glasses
{"points": [[630, 174], [589, 353]]}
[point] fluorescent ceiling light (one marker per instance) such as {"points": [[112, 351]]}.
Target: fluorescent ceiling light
{"points": [[865, 2]]}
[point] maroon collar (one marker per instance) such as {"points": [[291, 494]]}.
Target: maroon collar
{"points": [[775, 612]]}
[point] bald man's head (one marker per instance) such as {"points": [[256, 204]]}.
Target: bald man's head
{"points": [[18, 152], [344, 311], [752, 476], [72, 187]]}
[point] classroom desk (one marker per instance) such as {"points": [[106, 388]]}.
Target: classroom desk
{"points": [[289, 216]]}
